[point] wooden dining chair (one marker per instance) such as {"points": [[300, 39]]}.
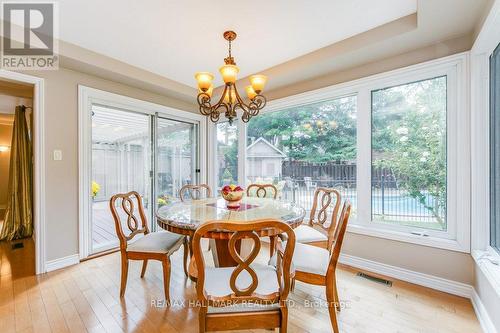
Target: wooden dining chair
{"points": [[151, 246], [319, 229], [261, 191], [195, 192], [317, 266], [250, 295]]}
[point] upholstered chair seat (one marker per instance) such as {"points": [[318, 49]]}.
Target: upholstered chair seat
{"points": [[217, 280], [310, 259], [307, 258], [307, 234], [157, 242]]}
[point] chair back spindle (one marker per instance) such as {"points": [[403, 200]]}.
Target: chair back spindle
{"points": [[261, 190], [338, 237], [194, 192], [241, 231], [136, 224], [324, 198]]}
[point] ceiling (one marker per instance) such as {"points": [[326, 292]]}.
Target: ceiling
{"points": [[175, 39], [300, 45]]}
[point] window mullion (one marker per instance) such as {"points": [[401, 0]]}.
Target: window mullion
{"points": [[364, 157], [242, 154]]}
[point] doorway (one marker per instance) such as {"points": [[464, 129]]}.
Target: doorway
{"points": [[17, 247], [131, 145]]}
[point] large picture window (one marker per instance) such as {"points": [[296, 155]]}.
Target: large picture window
{"points": [[395, 144], [409, 154]]}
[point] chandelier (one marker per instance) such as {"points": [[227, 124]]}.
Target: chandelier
{"points": [[230, 100]]}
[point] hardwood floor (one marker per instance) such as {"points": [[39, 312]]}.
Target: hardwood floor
{"points": [[85, 298]]}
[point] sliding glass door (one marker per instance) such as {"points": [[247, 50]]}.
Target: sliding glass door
{"points": [[121, 162], [176, 157], [134, 151]]}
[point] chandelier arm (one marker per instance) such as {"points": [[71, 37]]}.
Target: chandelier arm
{"points": [[204, 103], [223, 106], [221, 99], [206, 108], [244, 106], [238, 97], [257, 104]]}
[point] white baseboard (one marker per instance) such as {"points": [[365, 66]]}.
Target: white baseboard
{"points": [[429, 281], [482, 314], [59, 263]]}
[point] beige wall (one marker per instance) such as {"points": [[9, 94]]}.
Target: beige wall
{"points": [[445, 264], [5, 140], [61, 132]]}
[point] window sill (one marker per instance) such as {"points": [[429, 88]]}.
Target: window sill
{"points": [[440, 243], [489, 269]]}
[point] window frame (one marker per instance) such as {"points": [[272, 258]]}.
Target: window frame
{"points": [[492, 250], [452, 158], [455, 68], [484, 45]]}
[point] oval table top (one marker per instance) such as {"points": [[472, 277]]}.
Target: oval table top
{"points": [[185, 217]]}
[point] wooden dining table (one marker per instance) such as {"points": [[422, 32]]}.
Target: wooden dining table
{"points": [[185, 217]]}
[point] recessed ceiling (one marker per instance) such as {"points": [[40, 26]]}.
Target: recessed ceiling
{"points": [[177, 38]]}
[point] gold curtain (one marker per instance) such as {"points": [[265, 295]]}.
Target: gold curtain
{"points": [[18, 221]]}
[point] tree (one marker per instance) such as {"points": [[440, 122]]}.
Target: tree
{"points": [[319, 132]]}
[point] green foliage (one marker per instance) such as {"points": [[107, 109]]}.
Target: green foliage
{"points": [[227, 152], [409, 138], [317, 132], [227, 177]]}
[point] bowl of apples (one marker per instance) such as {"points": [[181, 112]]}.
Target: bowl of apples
{"points": [[233, 195]]}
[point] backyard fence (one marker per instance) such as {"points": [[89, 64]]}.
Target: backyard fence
{"points": [[389, 200]]}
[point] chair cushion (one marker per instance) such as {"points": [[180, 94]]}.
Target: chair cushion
{"points": [[307, 234], [156, 242], [217, 280], [307, 258], [310, 259]]}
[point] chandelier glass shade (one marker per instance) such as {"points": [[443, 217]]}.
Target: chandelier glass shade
{"points": [[230, 100]]}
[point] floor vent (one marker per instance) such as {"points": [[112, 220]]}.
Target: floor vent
{"points": [[375, 279], [16, 246]]}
